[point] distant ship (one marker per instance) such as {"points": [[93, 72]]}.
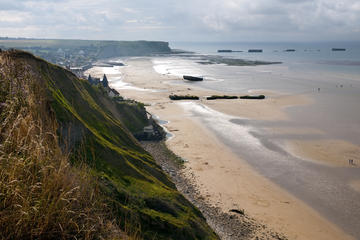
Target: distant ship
{"points": [[192, 78], [290, 50], [228, 51], [338, 49], [255, 50]]}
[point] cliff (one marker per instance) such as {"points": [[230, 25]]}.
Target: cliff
{"points": [[70, 168], [83, 52], [109, 49]]}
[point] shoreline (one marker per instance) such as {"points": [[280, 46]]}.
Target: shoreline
{"points": [[234, 224], [260, 198]]}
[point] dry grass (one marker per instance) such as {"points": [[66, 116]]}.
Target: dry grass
{"points": [[41, 195]]}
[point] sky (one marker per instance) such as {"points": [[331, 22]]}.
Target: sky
{"points": [[183, 20]]}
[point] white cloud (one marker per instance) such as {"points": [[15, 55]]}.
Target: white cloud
{"points": [[132, 21], [130, 10], [13, 16], [170, 20]]}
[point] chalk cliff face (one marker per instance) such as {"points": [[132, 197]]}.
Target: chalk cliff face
{"points": [[89, 130]]}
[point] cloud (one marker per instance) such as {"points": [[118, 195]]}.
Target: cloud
{"points": [[215, 20], [11, 16]]}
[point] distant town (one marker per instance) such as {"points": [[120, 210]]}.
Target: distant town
{"points": [[80, 55]]}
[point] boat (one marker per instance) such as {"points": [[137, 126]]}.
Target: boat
{"points": [[183, 97], [338, 49], [228, 51], [255, 50], [252, 97], [192, 78]]}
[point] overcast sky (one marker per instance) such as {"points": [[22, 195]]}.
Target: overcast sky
{"points": [[183, 20]]}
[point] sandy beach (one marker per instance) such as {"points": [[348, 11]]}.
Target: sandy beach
{"points": [[223, 178]]}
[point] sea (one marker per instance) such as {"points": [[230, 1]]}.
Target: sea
{"points": [[330, 78]]}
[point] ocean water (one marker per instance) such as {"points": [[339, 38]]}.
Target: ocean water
{"points": [[309, 60], [306, 54]]}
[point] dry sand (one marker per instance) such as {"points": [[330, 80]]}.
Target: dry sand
{"points": [[222, 177]]}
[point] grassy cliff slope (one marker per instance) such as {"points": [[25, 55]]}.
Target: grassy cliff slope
{"points": [[75, 121]]}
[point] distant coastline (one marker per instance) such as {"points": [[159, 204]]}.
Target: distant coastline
{"points": [[80, 55]]}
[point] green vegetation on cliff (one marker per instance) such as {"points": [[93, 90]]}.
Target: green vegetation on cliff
{"points": [[49, 118]]}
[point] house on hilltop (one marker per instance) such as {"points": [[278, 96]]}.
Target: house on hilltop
{"points": [[105, 82], [93, 81], [110, 91], [89, 79]]}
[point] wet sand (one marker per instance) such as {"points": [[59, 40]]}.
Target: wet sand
{"points": [[330, 151], [219, 167], [270, 109]]}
